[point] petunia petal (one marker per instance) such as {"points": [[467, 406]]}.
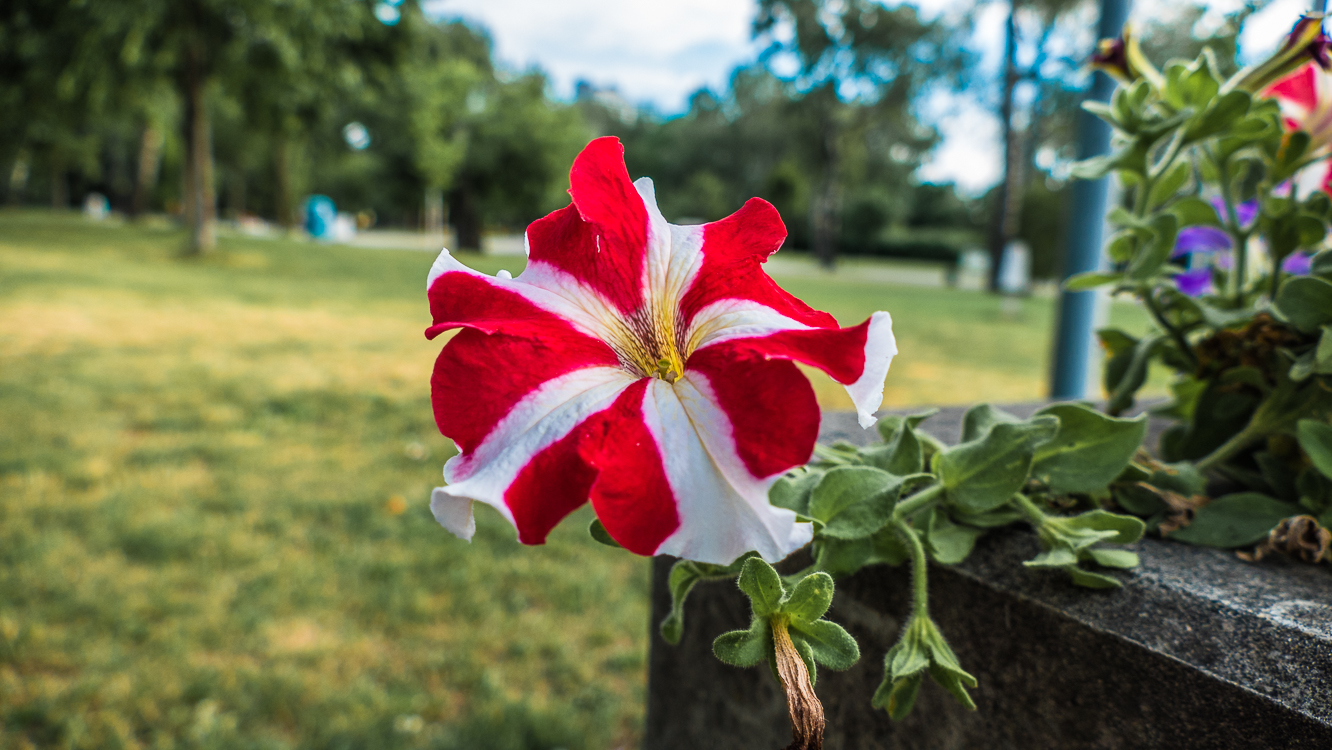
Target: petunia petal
{"points": [[1200, 240], [530, 467], [857, 357], [732, 252], [1194, 283], [601, 239], [1297, 264], [1298, 90], [509, 348], [723, 509]]}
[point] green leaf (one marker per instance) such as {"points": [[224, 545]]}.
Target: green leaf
{"points": [[1090, 280], [1224, 110], [1089, 450], [1235, 520], [828, 642], [983, 474], [947, 542], [1306, 301], [684, 575], [1316, 439], [762, 585], [953, 683], [810, 598], [843, 557], [793, 490], [901, 452], [1126, 529], [1193, 211], [744, 648], [1129, 371], [806, 655], [1155, 252], [1114, 558], [1168, 184], [854, 501], [1055, 557], [889, 424], [897, 697], [992, 519], [600, 534], [1092, 580], [980, 418], [887, 547]]}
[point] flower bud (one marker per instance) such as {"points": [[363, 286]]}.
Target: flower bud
{"points": [[1123, 60], [1307, 42]]}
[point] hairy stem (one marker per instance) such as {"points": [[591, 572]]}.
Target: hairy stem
{"points": [[1237, 442], [919, 501], [920, 579], [801, 702], [1029, 509]]}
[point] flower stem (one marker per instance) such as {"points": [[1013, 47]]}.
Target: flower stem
{"points": [[920, 580]]}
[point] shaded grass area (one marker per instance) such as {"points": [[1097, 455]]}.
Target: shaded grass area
{"points": [[214, 479]]}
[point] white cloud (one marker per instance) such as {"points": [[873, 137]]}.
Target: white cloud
{"points": [[654, 52], [969, 154]]}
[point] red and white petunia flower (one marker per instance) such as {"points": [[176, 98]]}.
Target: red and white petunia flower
{"points": [[642, 366], [1305, 97]]}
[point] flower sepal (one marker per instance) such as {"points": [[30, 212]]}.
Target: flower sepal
{"points": [[921, 650]]}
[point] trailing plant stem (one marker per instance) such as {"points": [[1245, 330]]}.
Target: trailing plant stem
{"points": [[919, 501], [1237, 442], [1238, 237], [920, 579], [1030, 509], [1175, 333]]}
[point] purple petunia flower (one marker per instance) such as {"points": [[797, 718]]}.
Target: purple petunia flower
{"points": [[1195, 283], [1297, 264], [1200, 240], [1244, 212]]}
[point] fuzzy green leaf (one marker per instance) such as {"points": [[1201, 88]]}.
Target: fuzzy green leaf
{"points": [[1089, 450], [980, 418], [793, 491], [947, 542], [983, 474], [854, 501], [897, 697], [1306, 301], [829, 643], [1235, 520], [762, 585], [744, 648], [1316, 439], [684, 575], [1126, 529], [810, 598], [1091, 580], [1114, 558]]}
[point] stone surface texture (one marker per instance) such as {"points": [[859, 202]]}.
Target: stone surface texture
{"points": [[1198, 650]]}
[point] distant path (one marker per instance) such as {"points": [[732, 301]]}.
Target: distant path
{"points": [[789, 264]]}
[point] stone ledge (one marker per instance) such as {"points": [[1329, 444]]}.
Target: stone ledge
{"points": [[1198, 650]]}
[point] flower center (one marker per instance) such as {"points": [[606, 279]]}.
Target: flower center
{"points": [[650, 343]]}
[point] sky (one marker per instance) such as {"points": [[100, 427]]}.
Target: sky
{"points": [[658, 53]]}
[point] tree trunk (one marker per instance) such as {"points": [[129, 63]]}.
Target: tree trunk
{"points": [[286, 212], [1008, 208], [145, 180], [824, 204], [59, 182], [18, 177], [200, 199], [466, 219], [434, 216]]}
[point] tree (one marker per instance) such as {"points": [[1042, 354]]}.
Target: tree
{"points": [[859, 66]]}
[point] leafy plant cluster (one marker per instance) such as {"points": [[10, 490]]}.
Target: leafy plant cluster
{"points": [[1249, 349], [912, 499]]}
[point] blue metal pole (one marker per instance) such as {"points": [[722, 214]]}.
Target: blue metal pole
{"points": [[1074, 335]]}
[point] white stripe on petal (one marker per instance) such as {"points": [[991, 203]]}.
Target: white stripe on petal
{"points": [[543, 417], [880, 348], [453, 513], [729, 319], [723, 509]]}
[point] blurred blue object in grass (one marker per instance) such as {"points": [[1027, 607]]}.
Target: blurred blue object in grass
{"points": [[388, 13], [320, 215]]}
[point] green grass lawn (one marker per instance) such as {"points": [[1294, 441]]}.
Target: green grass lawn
{"points": [[214, 479]]}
